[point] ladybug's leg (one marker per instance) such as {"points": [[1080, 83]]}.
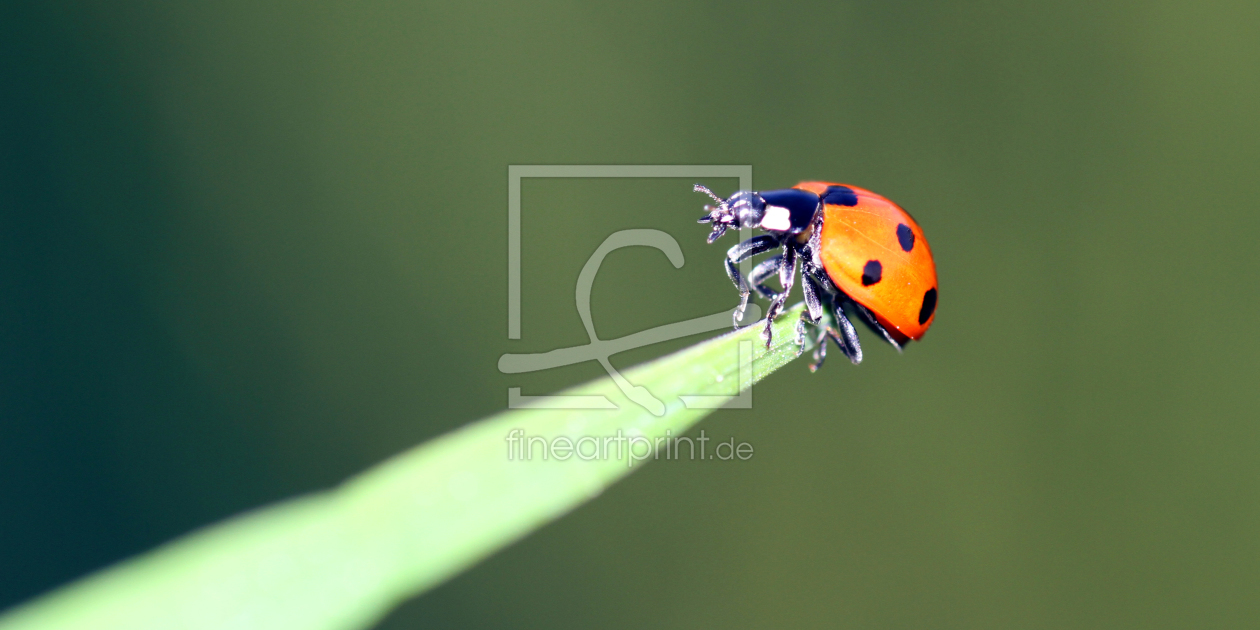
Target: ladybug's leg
{"points": [[814, 285], [844, 335], [820, 349], [741, 252], [787, 277], [762, 272], [813, 306], [869, 319]]}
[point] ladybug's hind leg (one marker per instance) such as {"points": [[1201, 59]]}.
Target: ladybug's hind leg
{"points": [[868, 318], [820, 348]]}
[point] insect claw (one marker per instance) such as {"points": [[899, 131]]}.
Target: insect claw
{"points": [[739, 312]]}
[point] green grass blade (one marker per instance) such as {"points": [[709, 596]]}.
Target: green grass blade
{"points": [[342, 558]]}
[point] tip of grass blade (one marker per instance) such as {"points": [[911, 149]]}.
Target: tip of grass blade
{"points": [[340, 559]]}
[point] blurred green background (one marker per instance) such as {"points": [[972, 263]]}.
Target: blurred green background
{"points": [[247, 249]]}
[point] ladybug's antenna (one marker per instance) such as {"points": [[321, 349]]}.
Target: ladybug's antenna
{"points": [[699, 188]]}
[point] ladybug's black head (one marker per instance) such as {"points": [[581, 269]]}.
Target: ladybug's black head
{"points": [[744, 209]]}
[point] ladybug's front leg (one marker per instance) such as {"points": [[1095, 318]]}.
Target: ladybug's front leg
{"points": [[739, 253]]}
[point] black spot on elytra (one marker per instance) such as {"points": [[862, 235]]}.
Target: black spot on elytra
{"points": [[929, 306], [905, 236], [872, 273], [840, 196]]}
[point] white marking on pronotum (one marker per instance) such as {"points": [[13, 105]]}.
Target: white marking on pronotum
{"points": [[776, 218]]}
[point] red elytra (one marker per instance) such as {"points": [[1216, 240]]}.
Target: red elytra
{"points": [[876, 253]]}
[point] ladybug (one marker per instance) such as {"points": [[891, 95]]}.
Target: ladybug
{"points": [[858, 253]]}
